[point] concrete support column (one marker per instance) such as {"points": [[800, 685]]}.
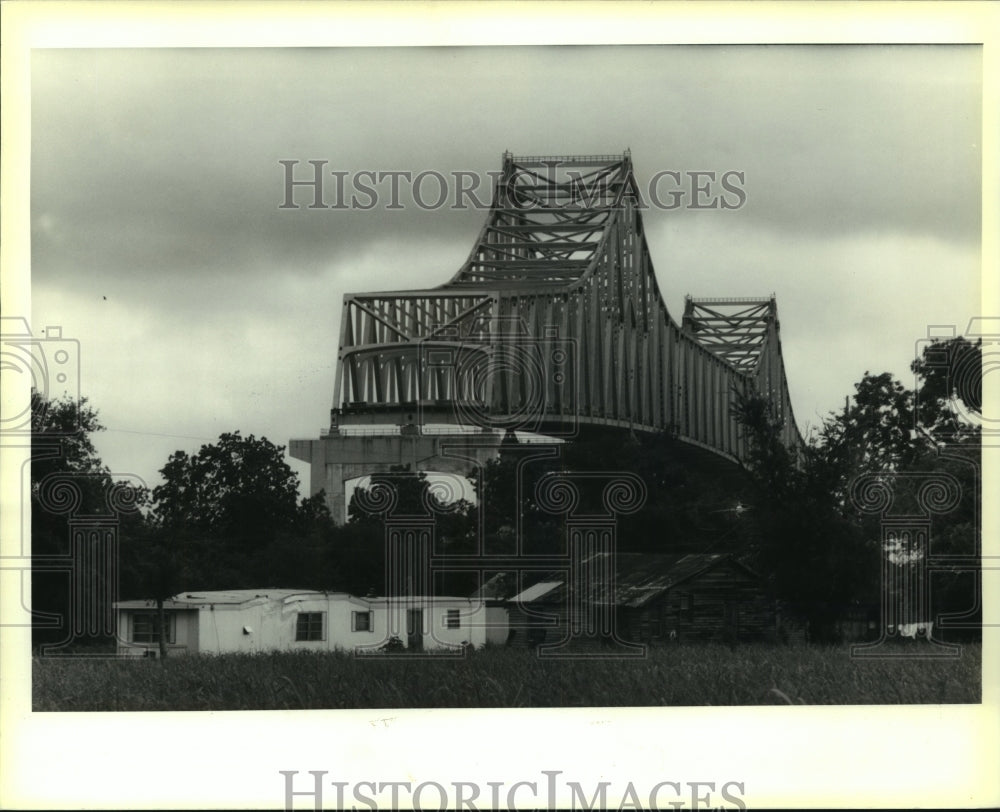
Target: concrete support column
{"points": [[336, 492], [337, 458]]}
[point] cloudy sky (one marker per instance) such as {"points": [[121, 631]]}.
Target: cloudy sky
{"points": [[202, 307]]}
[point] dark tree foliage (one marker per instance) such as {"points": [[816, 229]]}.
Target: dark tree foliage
{"points": [[873, 434], [510, 509], [61, 436], [692, 499], [815, 547], [411, 496], [64, 462], [949, 400], [691, 506], [358, 549], [353, 558], [810, 552], [229, 517], [239, 488], [950, 375]]}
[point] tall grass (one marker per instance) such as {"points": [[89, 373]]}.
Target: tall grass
{"points": [[675, 676]]}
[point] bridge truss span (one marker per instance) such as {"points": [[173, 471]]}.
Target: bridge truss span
{"points": [[554, 322]]}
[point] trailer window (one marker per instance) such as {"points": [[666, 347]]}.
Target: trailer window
{"points": [[361, 621], [309, 626], [146, 627]]}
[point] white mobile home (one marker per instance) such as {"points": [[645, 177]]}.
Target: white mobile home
{"points": [[255, 620]]}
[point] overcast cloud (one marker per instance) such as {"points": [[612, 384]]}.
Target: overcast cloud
{"points": [[202, 307]]}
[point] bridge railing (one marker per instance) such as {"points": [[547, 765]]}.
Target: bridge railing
{"points": [[737, 300], [577, 159], [390, 431]]}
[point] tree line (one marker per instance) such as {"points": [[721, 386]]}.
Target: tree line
{"points": [[229, 516]]}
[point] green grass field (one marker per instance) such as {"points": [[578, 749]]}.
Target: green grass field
{"points": [[673, 676]]}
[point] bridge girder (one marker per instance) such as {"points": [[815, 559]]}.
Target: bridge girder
{"points": [[555, 321]]}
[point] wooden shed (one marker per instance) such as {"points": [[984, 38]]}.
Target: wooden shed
{"points": [[652, 598]]}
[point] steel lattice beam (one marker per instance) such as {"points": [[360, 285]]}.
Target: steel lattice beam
{"points": [[556, 317]]}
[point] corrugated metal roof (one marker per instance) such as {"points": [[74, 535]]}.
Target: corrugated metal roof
{"points": [[537, 591], [639, 577]]}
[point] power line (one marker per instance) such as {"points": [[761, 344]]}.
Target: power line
{"points": [[159, 434]]}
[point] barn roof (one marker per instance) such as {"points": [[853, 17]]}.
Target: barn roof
{"points": [[639, 577], [539, 591]]}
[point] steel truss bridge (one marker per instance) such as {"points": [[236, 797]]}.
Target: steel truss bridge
{"points": [[554, 323]]}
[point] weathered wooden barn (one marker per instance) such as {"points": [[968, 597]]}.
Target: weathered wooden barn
{"points": [[651, 598]]}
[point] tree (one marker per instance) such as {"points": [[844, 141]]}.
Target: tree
{"points": [[809, 548], [817, 549], [61, 436], [873, 435], [239, 488], [359, 547], [950, 388], [949, 400], [230, 516], [509, 504], [773, 465], [154, 568], [70, 485]]}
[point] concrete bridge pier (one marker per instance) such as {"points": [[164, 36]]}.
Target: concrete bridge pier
{"points": [[337, 458]]}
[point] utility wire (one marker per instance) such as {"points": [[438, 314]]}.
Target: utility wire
{"points": [[159, 434]]}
